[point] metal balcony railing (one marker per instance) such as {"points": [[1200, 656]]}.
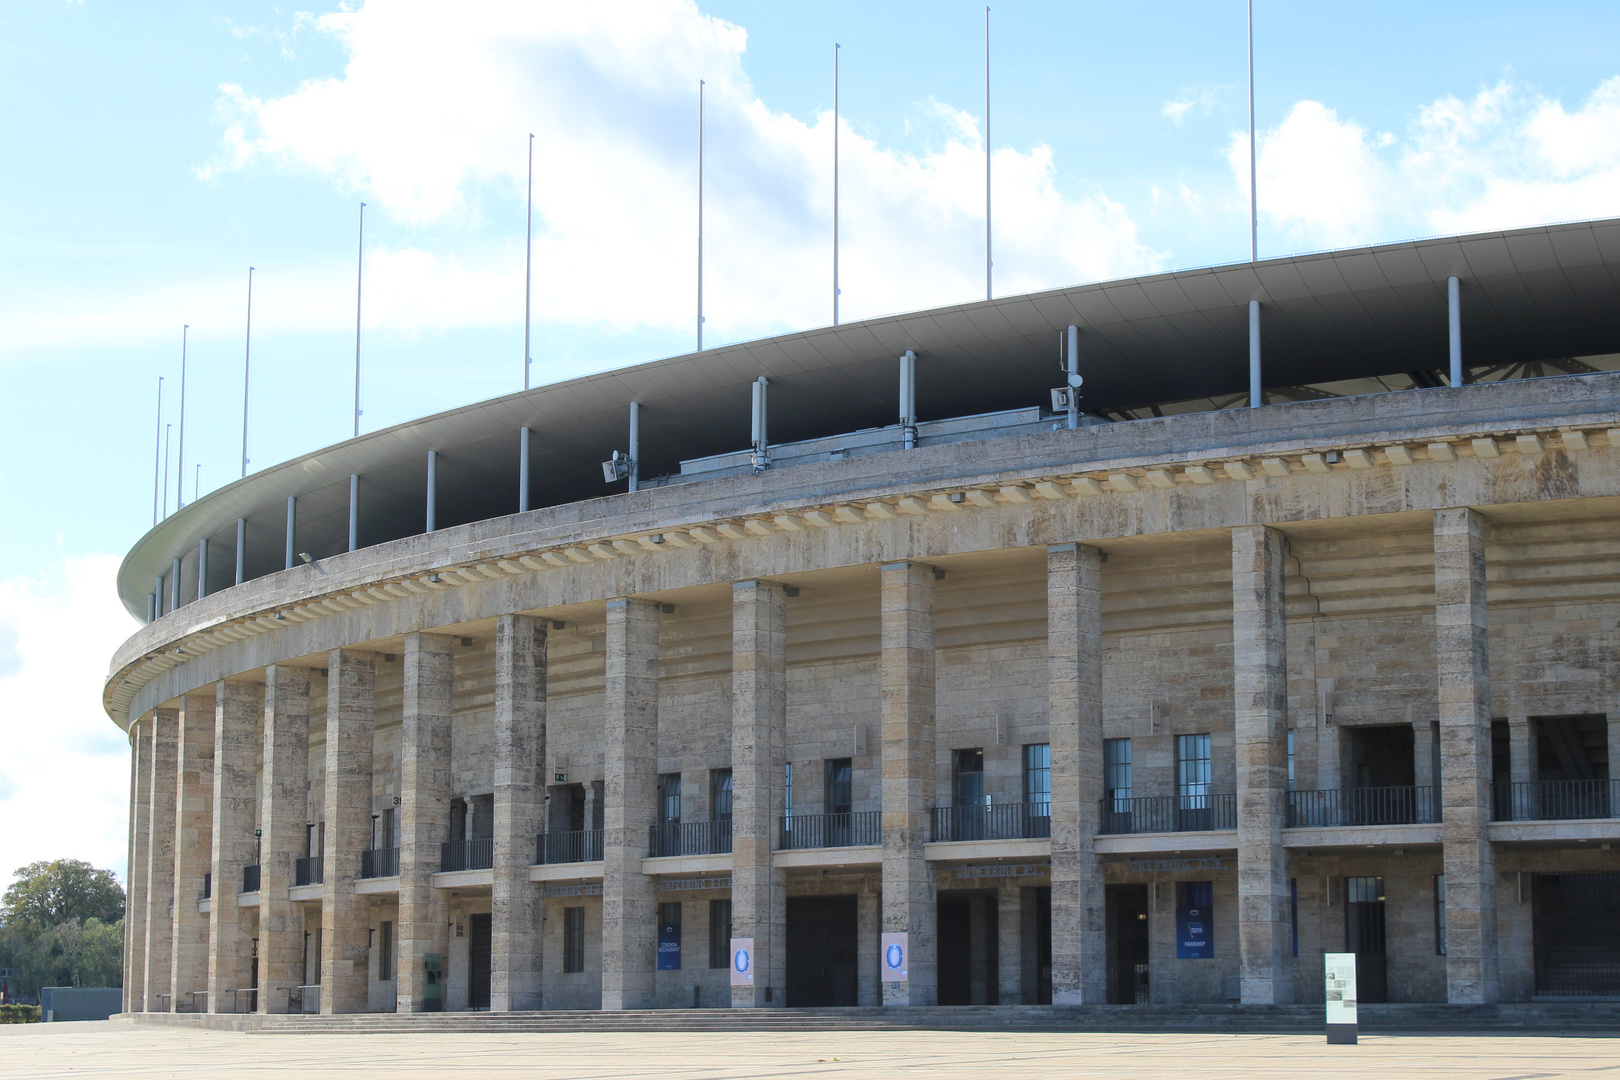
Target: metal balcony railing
{"points": [[1004, 821], [379, 862], [1362, 806], [689, 838], [1556, 800], [208, 887], [831, 830], [250, 878], [310, 870], [584, 845], [467, 855], [1169, 813]]}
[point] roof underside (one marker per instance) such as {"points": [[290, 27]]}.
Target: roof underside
{"points": [[1529, 295]]}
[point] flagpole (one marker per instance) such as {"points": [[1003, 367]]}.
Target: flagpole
{"points": [[987, 262], [247, 371], [168, 429], [700, 220], [528, 267], [157, 452], [836, 47], [180, 454], [1254, 198], [359, 285]]}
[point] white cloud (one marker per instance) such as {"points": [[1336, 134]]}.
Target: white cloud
{"points": [[1203, 100], [1501, 159], [429, 118], [65, 786]]}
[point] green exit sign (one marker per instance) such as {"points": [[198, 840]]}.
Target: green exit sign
{"points": [[559, 778]]}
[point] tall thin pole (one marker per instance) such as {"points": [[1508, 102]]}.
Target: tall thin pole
{"points": [[196, 483], [700, 220], [247, 371], [987, 262], [835, 183], [168, 429], [1254, 199], [359, 282], [157, 453], [180, 453], [528, 266]]}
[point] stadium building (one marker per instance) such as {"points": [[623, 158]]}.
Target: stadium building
{"points": [[898, 677]]}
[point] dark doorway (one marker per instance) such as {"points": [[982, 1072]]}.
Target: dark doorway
{"points": [[969, 961], [1572, 765], [1035, 944], [478, 956], [1577, 934], [1381, 757], [1364, 936], [822, 945], [1127, 917]]}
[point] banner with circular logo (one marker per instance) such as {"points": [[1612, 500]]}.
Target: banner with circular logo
{"points": [[742, 961], [895, 946]]}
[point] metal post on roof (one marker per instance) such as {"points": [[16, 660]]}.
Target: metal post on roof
{"points": [[174, 585], [761, 453], [908, 399], [1454, 321], [157, 593], [168, 429], [433, 491], [1073, 369], [523, 469], [202, 568], [528, 267], [1255, 397], [987, 263], [292, 522], [700, 221], [180, 453], [247, 370], [354, 511], [241, 549], [635, 445], [359, 287], [157, 452], [1254, 198], [151, 607], [835, 183]]}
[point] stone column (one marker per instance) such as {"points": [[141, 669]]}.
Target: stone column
{"points": [[1260, 733], [520, 755], [758, 761], [906, 660], [630, 767], [163, 756], [1521, 750], [1463, 675], [136, 910], [284, 808], [1009, 946], [236, 772], [193, 847], [345, 918], [424, 811], [1424, 758], [1074, 691]]}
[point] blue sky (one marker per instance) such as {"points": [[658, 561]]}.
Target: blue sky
{"points": [[154, 152]]}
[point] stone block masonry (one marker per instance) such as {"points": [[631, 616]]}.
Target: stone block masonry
{"points": [[138, 911], [520, 755], [236, 743], [345, 918], [284, 804], [163, 757], [193, 838], [424, 751]]}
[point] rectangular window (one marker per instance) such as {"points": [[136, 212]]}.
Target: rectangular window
{"points": [[385, 954], [1038, 778], [968, 766], [1192, 770], [573, 940], [1117, 774], [1440, 914], [1364, 890], [669, 798], [720, 795], [840, 786], [719, 933], [1291, 761]]}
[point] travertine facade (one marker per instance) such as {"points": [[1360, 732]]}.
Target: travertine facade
{"points": [[1160, 710]]}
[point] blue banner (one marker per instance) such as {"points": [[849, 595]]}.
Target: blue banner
{"points": [[1195, 918], [669, 947]]}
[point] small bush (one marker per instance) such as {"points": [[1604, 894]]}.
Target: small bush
{"points": [[19, 1014]]}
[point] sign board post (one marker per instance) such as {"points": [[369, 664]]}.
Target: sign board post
{"points": [[669, 946], [1340, 974], [742, 961]]}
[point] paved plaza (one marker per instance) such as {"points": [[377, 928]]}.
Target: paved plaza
{"points": [[116, 1050]]}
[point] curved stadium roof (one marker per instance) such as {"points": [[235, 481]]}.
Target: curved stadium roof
{"points": [[1529, 295]]}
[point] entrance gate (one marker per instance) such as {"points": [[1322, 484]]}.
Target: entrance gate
{"points": [[821, 951], [1577, 935], [1127, 915]]}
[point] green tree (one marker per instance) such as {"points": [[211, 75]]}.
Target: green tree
{"points": [[101, 953], [47, 894]]}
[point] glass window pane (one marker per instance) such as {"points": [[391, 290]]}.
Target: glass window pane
{"points": [[1038, 776]]}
